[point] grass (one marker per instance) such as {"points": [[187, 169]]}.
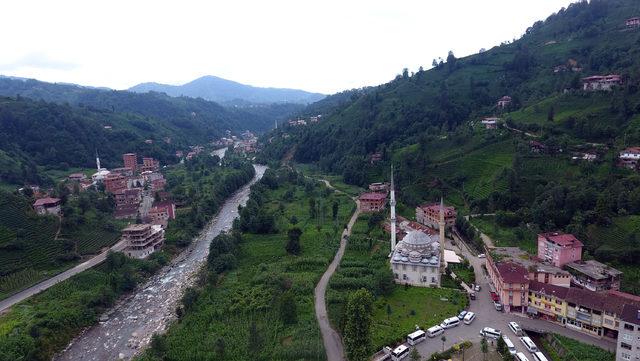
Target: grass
{"points": [[312, 171], [506, 237], [366, 254], [247, 297], [572, 350], [464, 273]]}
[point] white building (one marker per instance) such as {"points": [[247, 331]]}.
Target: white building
{"points": [[142, 239], [418, 259], [102, 173], [629, 334]]}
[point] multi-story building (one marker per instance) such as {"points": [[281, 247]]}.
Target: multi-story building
{"points": [[632, 22], [511, 282], [629, 334], [547, 301], [601, 82], [114, 182], [559, 248], [629, 157], [490, 123], [124, 197], [130, 161], [594, 276], [149, 164], [504, 102], [142, 239], [372, 202], [429, 215]]}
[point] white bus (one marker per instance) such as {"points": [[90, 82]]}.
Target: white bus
{"points": [[539, 356], [491, 333], [435, 331], [469, 317], [520, 357], [510, 346], [399, 353], [450, 322], [515, 328], [531, 347], [416, 337]]}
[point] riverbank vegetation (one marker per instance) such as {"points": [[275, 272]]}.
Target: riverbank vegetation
{"points": [[256, 300], [44, 324], [396, 308]]}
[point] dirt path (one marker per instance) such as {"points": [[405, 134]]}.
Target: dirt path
{"points": [[331, 339]]}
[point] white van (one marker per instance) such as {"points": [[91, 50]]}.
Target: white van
{"points": [[510, 346], [539, 356], [399, 353], [468, 318], [435, 331], [416, 337], [515, 328], [490, 333], [531, 347], [450, 322], [520, 357]]}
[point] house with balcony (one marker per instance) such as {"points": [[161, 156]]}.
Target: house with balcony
{"points": [[559, 248], [594, 276], [372, 202], [511, 282], [547, 301], [537, 271], [429, 215], [142, 240]]}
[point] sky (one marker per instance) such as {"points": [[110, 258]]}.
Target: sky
{"points": [[324, 46]]}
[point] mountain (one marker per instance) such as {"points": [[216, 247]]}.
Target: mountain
{"points": [[224, 91], [427, 124]]}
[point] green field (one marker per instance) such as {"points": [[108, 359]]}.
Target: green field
{"points": [[247, 297], [365, 258], [574, 350], [504, 236]]}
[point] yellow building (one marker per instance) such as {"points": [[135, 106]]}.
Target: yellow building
{"points": [[548, 301]]}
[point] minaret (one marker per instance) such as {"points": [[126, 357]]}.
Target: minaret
{"points": [[392, 202], [441, 226], [98, 161]]}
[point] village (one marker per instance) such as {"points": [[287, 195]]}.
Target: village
{"points": [[555, 286]]}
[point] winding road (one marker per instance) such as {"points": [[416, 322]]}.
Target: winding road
{"points": [[331, 339]]}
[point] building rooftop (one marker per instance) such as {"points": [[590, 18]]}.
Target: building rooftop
{"points": [[46, 201], [631, 314], [372, 196], [548, 289], [517, 255], [136, 227], [594, 269], [562, 239], [511, 272]]}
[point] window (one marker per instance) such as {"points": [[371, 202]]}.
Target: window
{"points": [[625, 346], [627, 337], [433, 280], [415, 268], [395, 275], [404, 277], [628, 326], [424, 278], [404, 267]]}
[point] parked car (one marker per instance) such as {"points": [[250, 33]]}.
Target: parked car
{"points": [[477, 288], [482, 255], [498, 306], [494, 297], [472, 295], [517, 330], [462, 314]]}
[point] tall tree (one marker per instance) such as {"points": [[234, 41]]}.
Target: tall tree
{"points": [[357, 329], [288, 309], [293, 244]]}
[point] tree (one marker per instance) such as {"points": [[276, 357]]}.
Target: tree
{"points": [[383, 281], [219, 347], [484, 347], [255, 339], [312, 208], [551, 114], [357, 329], [334, 210], [293, 244], [288, 309], [502, 346], [415, 355], [443, 339]]}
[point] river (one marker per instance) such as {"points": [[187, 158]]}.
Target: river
{"points": [[134, 319]]}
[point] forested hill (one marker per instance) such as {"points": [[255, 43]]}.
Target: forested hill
{"points": [[223, 91], [204, 118], [428, 125]]}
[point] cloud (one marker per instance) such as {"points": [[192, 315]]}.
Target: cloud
{"points": [[38, 60]]}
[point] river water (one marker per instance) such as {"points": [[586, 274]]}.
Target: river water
{"points": [[137, 317]]}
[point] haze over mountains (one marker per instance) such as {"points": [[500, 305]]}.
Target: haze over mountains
{"points": [[225, 91]]}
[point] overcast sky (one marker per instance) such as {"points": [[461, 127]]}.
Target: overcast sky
{"points": [[316, 45]]}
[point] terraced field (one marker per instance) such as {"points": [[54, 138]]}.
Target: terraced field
{"points": [[90, 240]]}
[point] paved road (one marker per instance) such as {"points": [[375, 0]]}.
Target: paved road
{"points": [[33, 290], [331, 339], [136, 318], [487, 316]]}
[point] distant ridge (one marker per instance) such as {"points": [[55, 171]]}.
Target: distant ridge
{"points": [[224, 91]]}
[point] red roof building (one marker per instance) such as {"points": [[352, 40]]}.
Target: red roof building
{"points": [[115, 182], [429, 215], [149, 164], [504, 102], [47, 206], [372, 202], [511, 282], [130, 161], [632, 22], [559, 248], [601, 82]]}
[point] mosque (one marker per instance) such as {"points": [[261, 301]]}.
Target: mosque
{"points": [[102, 173], [418, 259]]}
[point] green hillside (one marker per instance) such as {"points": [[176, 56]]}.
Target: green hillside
{"points": [[427, 124]]}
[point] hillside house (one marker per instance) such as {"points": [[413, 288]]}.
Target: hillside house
{"points": [[372, 202], [379, 187], [504, 102], [130, 161], [629, 157], [601, 82], [77, 177], [559, 248], [149, 164], [429, 215], [114, 182], [375, 157], [632, 22], [47, 205], [537, 147], [490, 123]]}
